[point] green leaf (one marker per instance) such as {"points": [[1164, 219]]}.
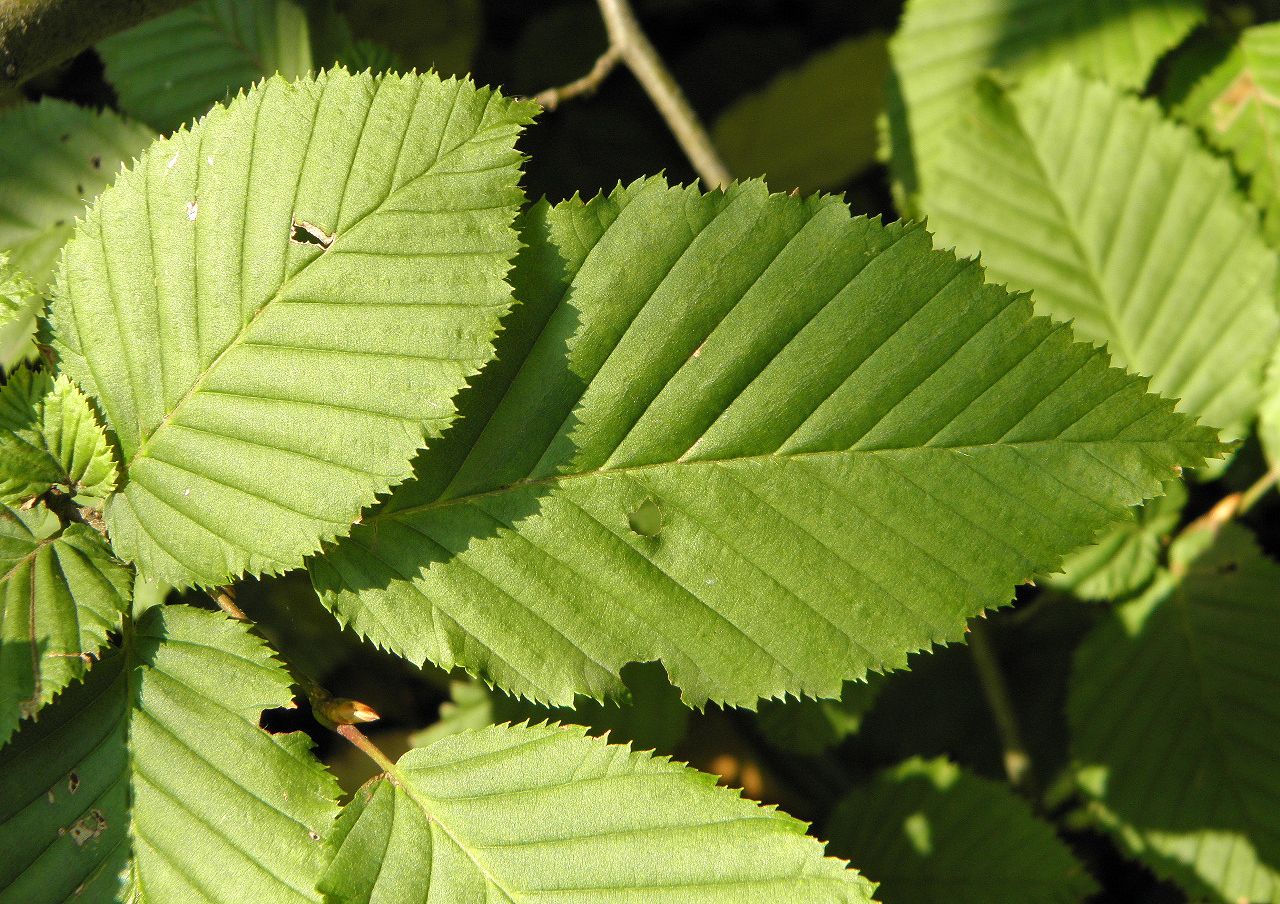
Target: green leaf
{"points": [[54, 158], [813, 127], [49, 436], [172, 69], [1125, 559], [932, 833], [826, 413], [61, 592], [156, 764], [650, 716], [944, 47], [1174, 710], [811, 726], [1237, 108], [516, 813], [19, 304], [1153, 253], [274, 309]]}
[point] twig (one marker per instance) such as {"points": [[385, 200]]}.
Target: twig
{"points": [[1017, 760], [36, 35], [1231, 507], [367, 747], [630, 45]]}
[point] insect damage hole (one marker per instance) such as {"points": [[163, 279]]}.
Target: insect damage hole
{"points": [[646, 520], [304, 233]]}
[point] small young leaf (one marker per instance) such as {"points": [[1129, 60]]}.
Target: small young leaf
{"points": [[943, 47], [1174, 711], [19, 304], [825, 412], [1153, 253], [156, 764], [263, 388], [61, 592], [529, 813], [172, 69], [931, 833]]}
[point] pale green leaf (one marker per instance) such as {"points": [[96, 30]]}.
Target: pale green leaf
{"points": [[172, 69], [156, 766], [542, 813], [1237, 108], [1121, 222], [811, 726], [815, 126], [49, 436], [1269, 410], [19, 304], [54, 158], [931, 833], [826, 414], [273, 310], [1174, 708], [61, 592], [944, 46], [1125, 559]]}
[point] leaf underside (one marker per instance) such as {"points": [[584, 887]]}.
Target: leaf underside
{"points": [[1174, 723], [542, 813], [274, 309], [1153, 253], [931, 833], [824, 412], [61, 592], [156, 766]]}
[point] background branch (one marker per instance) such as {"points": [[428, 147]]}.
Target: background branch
{"points": [[36, 35]]}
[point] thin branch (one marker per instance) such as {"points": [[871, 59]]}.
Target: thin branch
{"points": [[1017, 759], [1230, 507], [367, 747], [630, 45], [36, 35]]}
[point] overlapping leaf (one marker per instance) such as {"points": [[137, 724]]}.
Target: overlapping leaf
{"points": [[812, 415], [1125, 559], [519, 813], [1118, 220], [61, 592], [812, 726], [49, 436], [944, 46], [172, 69], [156, 765], [1175, 721], [274, 309], [931, 833], [54, 158], [19, 302]]}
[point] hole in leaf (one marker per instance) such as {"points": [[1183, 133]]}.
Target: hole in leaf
{"points": [[304, 233], [646, 520]]}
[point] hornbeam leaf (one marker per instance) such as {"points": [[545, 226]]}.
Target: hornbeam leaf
{"points": [[274, 309], [1153, 253], [61, 592], [931, 833], [54, 158], [824, 413], [19, 302], [49, 436], [520, 813], [1174, 709], [943, 48], [156, 766], [172, 69]]}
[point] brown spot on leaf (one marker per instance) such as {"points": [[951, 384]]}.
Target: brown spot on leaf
{"points": [[73, 782], [88, 827], [1232, 102]]}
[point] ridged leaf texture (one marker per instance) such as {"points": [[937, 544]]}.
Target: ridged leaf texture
{"points": [[1236, 105], [931, 833], [274, 309], [61, 592], [172, 69], [54, 157], [1153, 253], [543, 813], [1125, 559], [1174, 721], [155, 768], [753, 437], [943, 47], [49, 436]]}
